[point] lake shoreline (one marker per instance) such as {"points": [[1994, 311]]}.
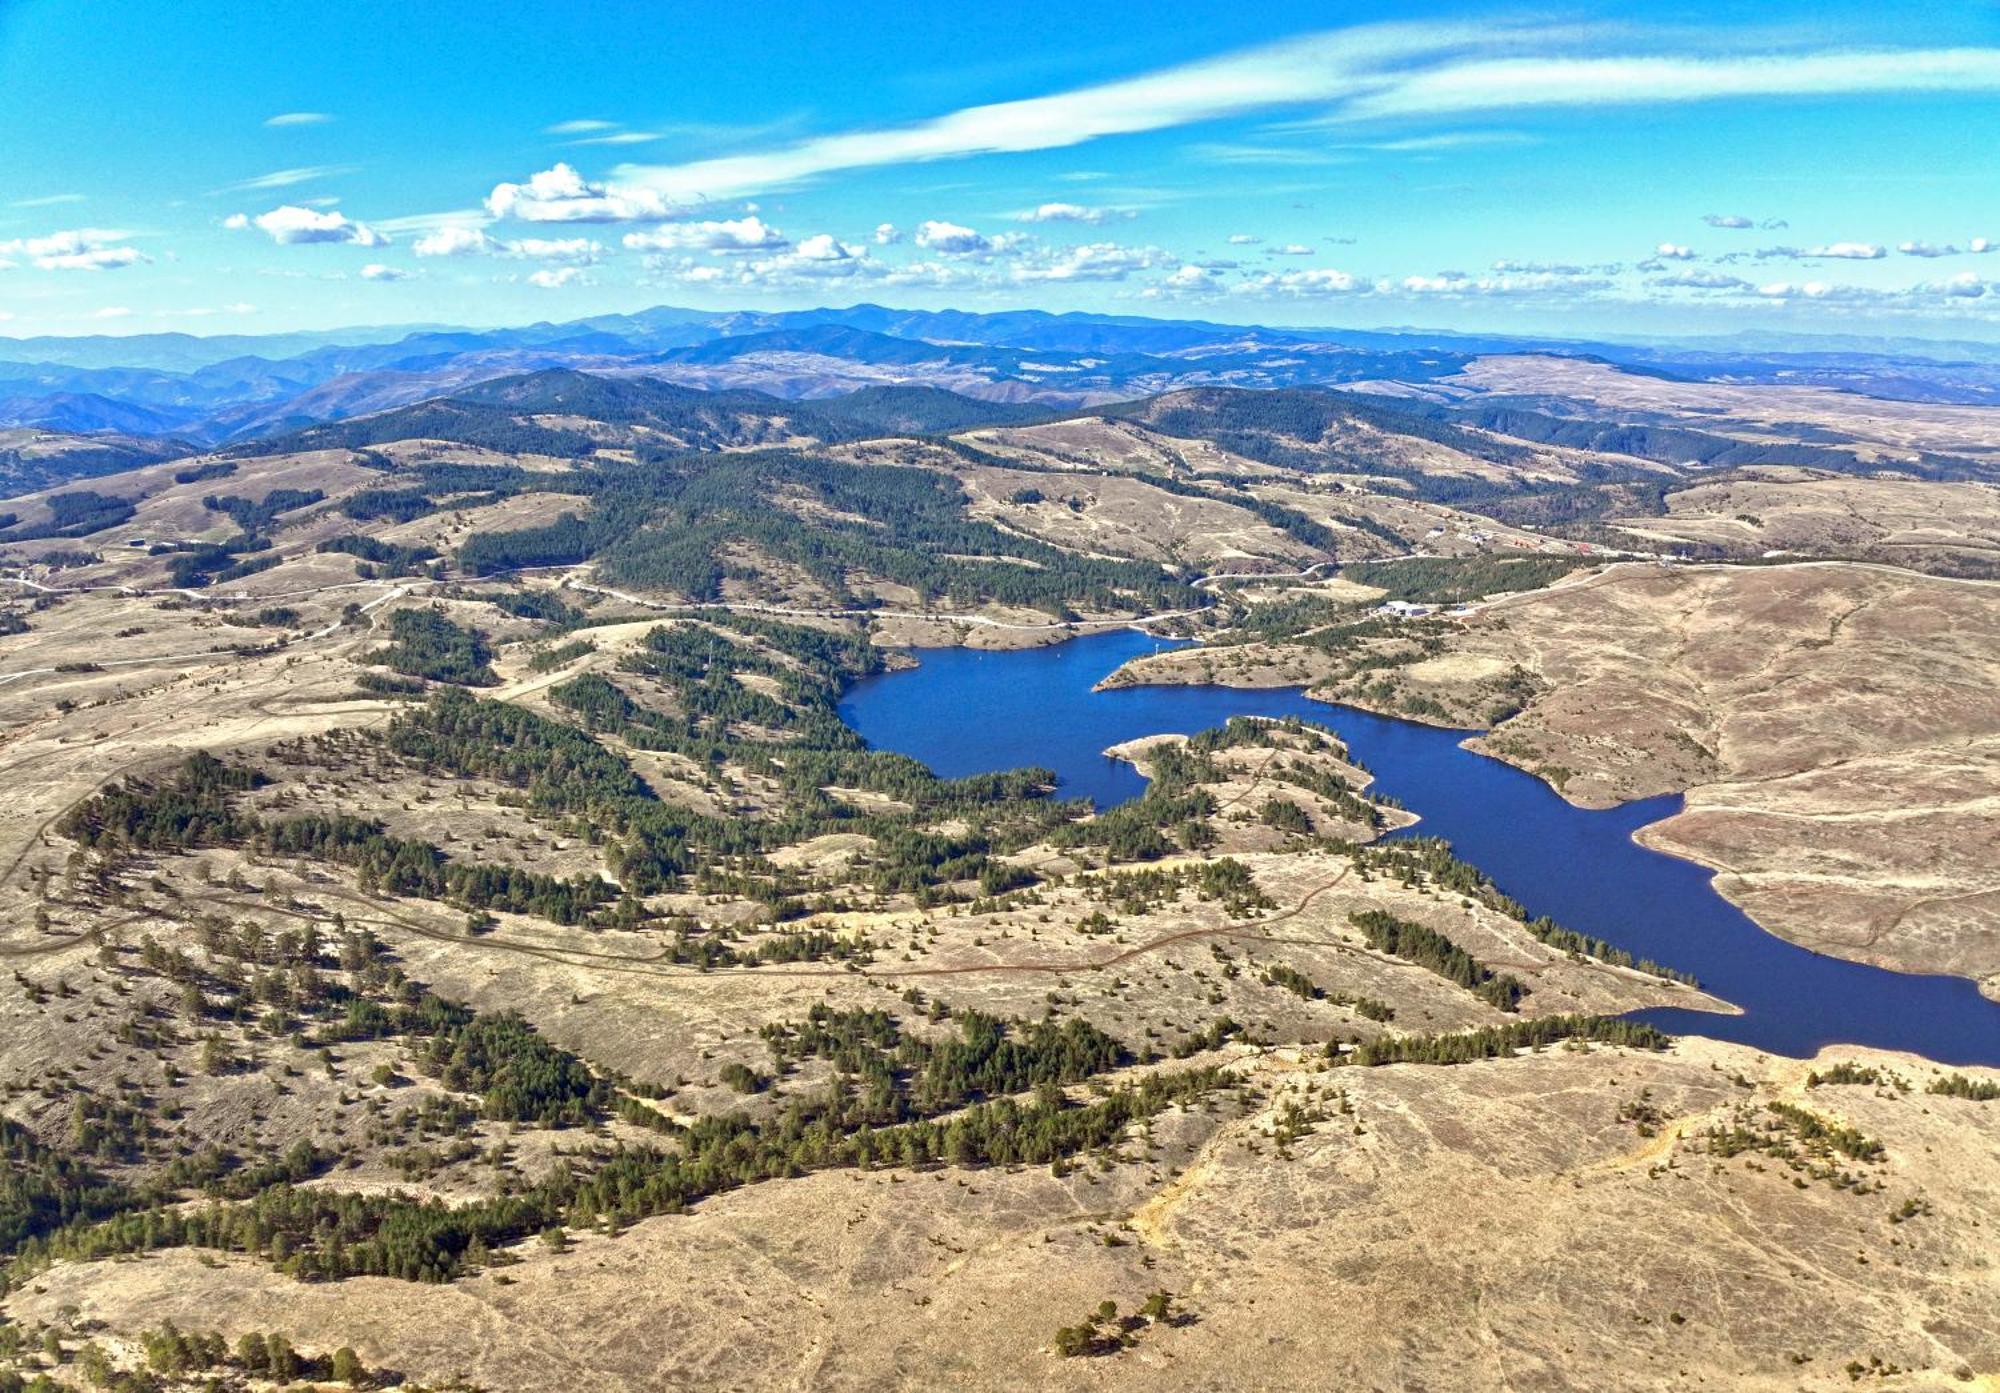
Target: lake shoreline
{"points": [[1587, 869]]}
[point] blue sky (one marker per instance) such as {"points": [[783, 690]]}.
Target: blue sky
{"points": [[214, 166]]}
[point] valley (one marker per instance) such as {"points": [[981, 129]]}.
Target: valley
{"points": [[486, 889]]}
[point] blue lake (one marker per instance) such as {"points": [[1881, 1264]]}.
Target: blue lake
{"points": [[964, 712]]}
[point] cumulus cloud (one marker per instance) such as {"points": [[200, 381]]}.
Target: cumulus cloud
{"points": [[560, 194], [1097, 261], [1980, 246], [1319, 283], [951, 239], [555, 277], [1072, 212], [376, 271], [298, 118], [746, 234], [818, 258], [577, 251], [1458, 283], [1966, 285], [1244, 239], [1838, 251], [1927, 249], [1291, 249], [76, 249], [291, 225], [1925, 296], [454, 240], [1701, 280], [823, 246], [1674, 252], [1733, 221], [887, 234]]}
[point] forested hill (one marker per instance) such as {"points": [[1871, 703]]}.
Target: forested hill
{"points": [[562, 412], [1304, 428]]}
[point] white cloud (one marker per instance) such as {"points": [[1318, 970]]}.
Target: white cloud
{"points": [[49, 200], [1733, 221], [1072, 212], [472, 241], [577, 251], [1966, 285], [285, 178], [1314, 67], [887, 234], [583, 126], [620, 138], [1096, 261], [1927, 249], [1458, 283], [1515, 83], [454, 241], [1319, 283], [1980, 246], [815, 259], [1447, 140], [1244, 239], [291, 225], [1193, 278], [554, 278], [952, 239], [77, 249], [1292, 249], [1848, 251], [560, 194], [430, 222], [1701, 280], [1538, 268], [376, 271], [113, 312], [1672, 252], [298, 118], [1366, 71], [1445, 283], [823, 247], [746, 234]]}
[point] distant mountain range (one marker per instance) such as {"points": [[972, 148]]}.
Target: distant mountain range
{"points": [[210, 391]]}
